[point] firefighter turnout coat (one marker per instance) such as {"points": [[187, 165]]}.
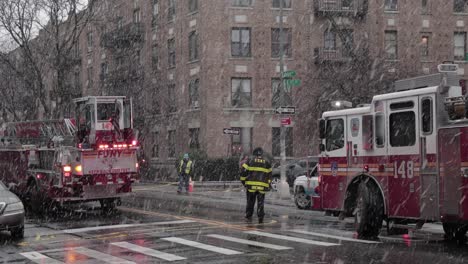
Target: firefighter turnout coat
{"points": [[256, 175], [185, 167]]}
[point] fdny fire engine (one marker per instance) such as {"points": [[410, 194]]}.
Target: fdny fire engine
{"points": [[90, 158], [402, 159]]}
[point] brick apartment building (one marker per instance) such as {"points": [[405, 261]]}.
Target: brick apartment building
{"points": [[196, 67]]}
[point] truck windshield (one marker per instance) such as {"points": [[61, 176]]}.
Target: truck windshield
{"points": [[335, 134], [106, 111]]}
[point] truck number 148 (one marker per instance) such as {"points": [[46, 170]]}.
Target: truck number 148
{"points": [[404, 169]]}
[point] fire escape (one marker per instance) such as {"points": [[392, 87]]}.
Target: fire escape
{"points": [[338, 42], [125, 47]]}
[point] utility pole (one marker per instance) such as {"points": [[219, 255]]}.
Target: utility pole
{"points": [[283, 188]]}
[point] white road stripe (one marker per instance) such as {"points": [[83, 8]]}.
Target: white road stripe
{"points": [[249, 242], [294, 239], [102, 256], [190, 243], [37, 257], [148, 251], [95, 228], [334, 237]]}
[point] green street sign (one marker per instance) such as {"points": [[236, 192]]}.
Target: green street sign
{"points": [[289, 74], [295, 82]]}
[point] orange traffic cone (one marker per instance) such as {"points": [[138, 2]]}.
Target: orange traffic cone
{"points": [[190, 187]]}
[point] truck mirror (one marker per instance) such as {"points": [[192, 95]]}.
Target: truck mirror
{"points": [[322, 147], [322, 128]]}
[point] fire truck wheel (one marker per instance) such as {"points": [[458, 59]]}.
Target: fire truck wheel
{"points": [[35, 199], [301, 199], [368, 214], [455, 232], [107, 205]]}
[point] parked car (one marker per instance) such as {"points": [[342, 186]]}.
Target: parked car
{"points": [[11, 212], [294, 169]]}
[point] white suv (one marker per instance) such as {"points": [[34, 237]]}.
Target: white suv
{"points": [[304, 188]]}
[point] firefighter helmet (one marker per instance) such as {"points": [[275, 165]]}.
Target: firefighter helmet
{"points": [[258, 152]]}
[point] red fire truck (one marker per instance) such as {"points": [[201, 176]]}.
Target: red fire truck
{"points": [[90, 158], [402, 159]]}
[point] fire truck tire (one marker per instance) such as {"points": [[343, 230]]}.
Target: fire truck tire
{"points": [[107, 205], [368, 214], [455, 232], [35, 199]]}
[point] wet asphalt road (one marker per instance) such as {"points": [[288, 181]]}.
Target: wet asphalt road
{"points": [[159, 226]]}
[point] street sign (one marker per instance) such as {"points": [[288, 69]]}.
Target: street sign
{"points": [[289, 74], [286, 110], [231, 131], [286, 121], [294, 82]]}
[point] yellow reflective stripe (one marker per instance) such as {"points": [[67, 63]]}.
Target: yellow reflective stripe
{"points": [[243, 178], [257, 183], [247, 167]]}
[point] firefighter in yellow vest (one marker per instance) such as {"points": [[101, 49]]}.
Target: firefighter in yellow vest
{"points": [[256, 175], [185, 169]]}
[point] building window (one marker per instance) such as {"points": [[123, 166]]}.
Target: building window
{"points": [[243, 3], [425, 46], [104, 70], [425, 7], [90, 77], [194, 143], [171, 98], [193, 6], [155, 148], [193, 46], [240, 42], [277, 3], [138, 57], [459, 6], [329, 38], [402, 129], [120, 23], [193, 93], [391, 5], [276, 94], [171, 144], [241, 143], [459, 41], [171, 10], [154, 20], [155, 57], [171, 53], [136, 16], [90, 41], [391, 48], [241, 92], [276, 141], [275, 42], [119, 62]]}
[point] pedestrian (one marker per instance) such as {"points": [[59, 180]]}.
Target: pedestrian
{"points": [[185, 172], [257, 175]]}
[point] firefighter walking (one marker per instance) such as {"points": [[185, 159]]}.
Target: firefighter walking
{"points": [[256, 177], [185, 172]]}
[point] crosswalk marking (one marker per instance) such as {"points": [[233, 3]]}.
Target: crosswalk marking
{"points": [[190, 243], [37, 257], [95, 228], [335, 237], [148, 251], [294, 239], [249, 242], [102, 256]]}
